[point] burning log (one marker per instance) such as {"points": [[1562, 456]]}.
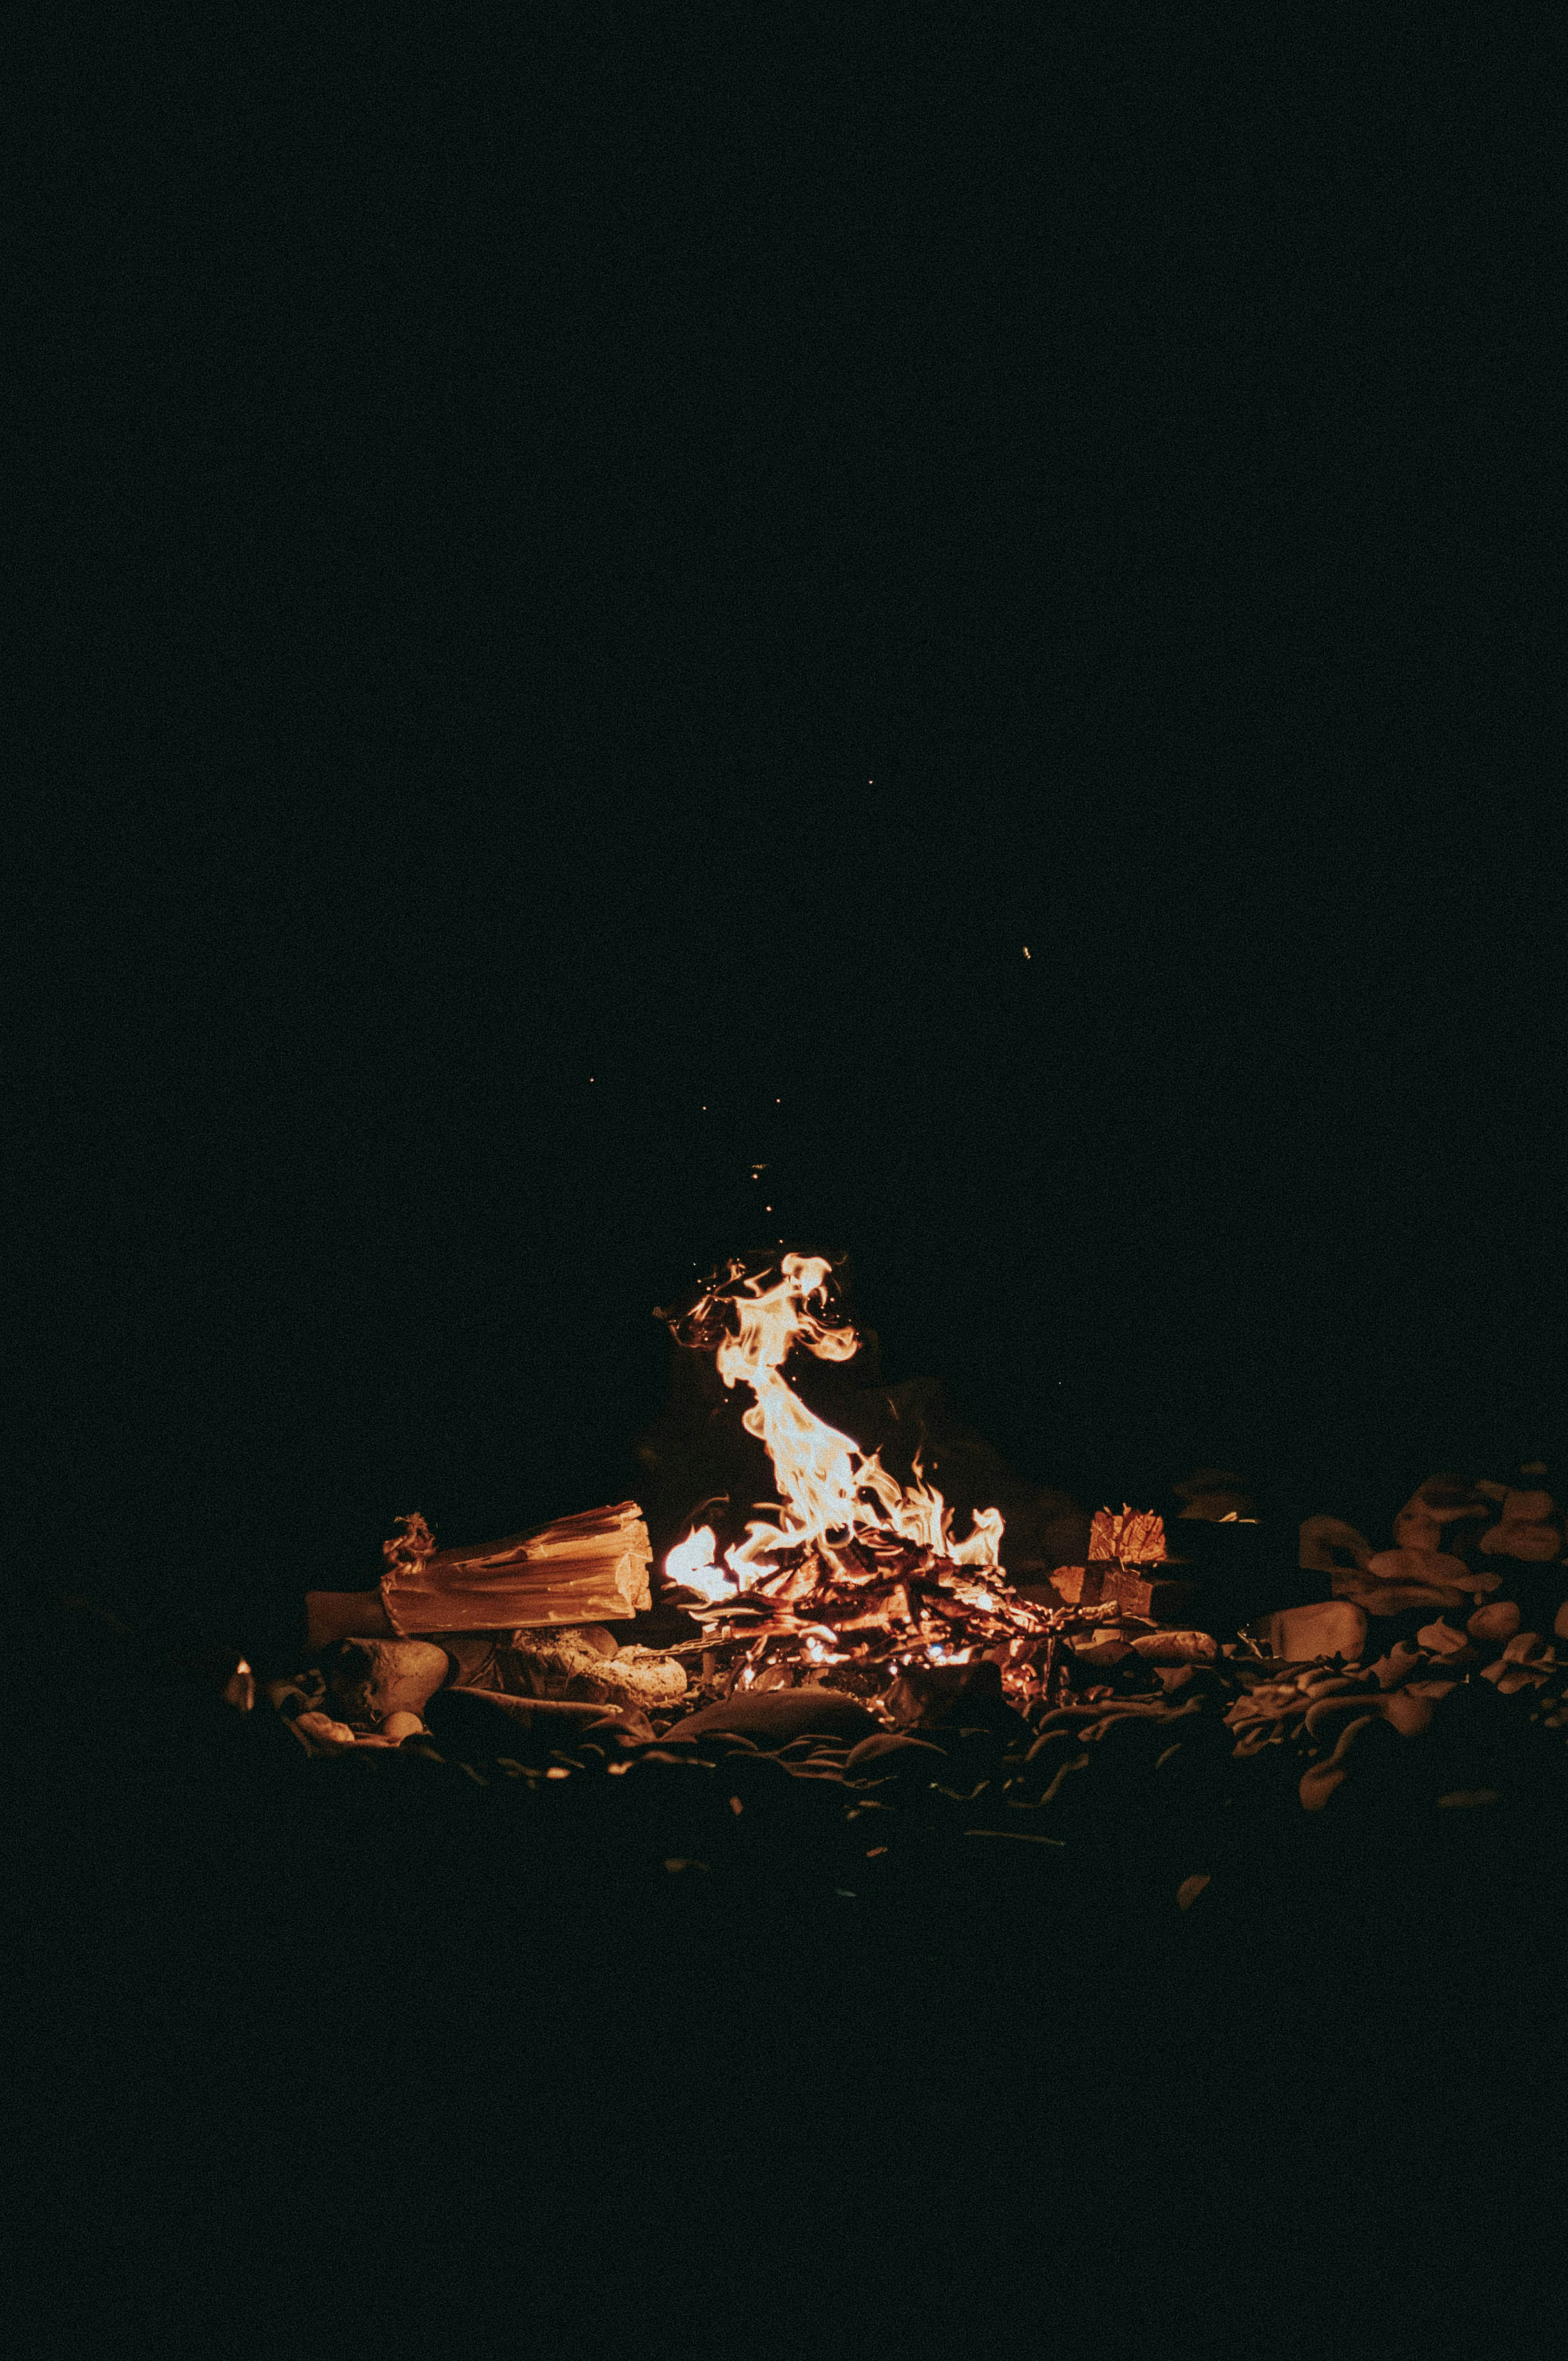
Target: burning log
{"points": [[855, 1576]]}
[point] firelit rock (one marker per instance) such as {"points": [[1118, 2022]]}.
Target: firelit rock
{"points": [[1436, 1568], [585, 1662], [381, 1676], [641, 1676], [1528, 1529], [939, 1696], [1437, 1514], [1330, 1545], [1178, 1648], [779, 1715], [487, 1721]]}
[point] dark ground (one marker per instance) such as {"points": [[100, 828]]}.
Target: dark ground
{"points": [[587, 588], [413, 2048]]}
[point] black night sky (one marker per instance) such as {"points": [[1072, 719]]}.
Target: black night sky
{"points": [[590, 583]]}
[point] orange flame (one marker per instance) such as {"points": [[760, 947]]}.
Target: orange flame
{"points": [[692, 1563], [831, 1490]]}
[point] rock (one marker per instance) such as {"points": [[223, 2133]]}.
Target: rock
{"points": [[399, 1726], [1410, 1715], [1525, 1663], [1440, 1639], [892, 1755], [640, 1676], [937, 1696], [1328, 1545], [327, 1734], [1493, 1623], [1403, 1662], [776, 1716], [375, 1678], [1395, 1580], [1527, 1529], [1409, 1712], [1422, 1565], [1176, 1648], [493, 1723], [1436, 1506], [1360, 1743]]}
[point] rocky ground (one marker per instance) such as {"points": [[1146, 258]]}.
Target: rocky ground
{"points": [[1207, 1979]]}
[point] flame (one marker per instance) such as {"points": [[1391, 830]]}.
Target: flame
{"points": [[831, 1490], [848, 1566], [692, 1563]]}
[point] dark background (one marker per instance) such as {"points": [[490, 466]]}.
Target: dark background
{"points": [[590, 578]]}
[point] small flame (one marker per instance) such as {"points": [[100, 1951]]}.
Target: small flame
{"points": [[691, 1563]]}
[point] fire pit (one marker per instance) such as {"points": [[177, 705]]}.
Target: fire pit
{"points": [[856, 1581]]}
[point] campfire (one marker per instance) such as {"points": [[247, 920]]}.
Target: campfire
{"points": [[854, 1578]]}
